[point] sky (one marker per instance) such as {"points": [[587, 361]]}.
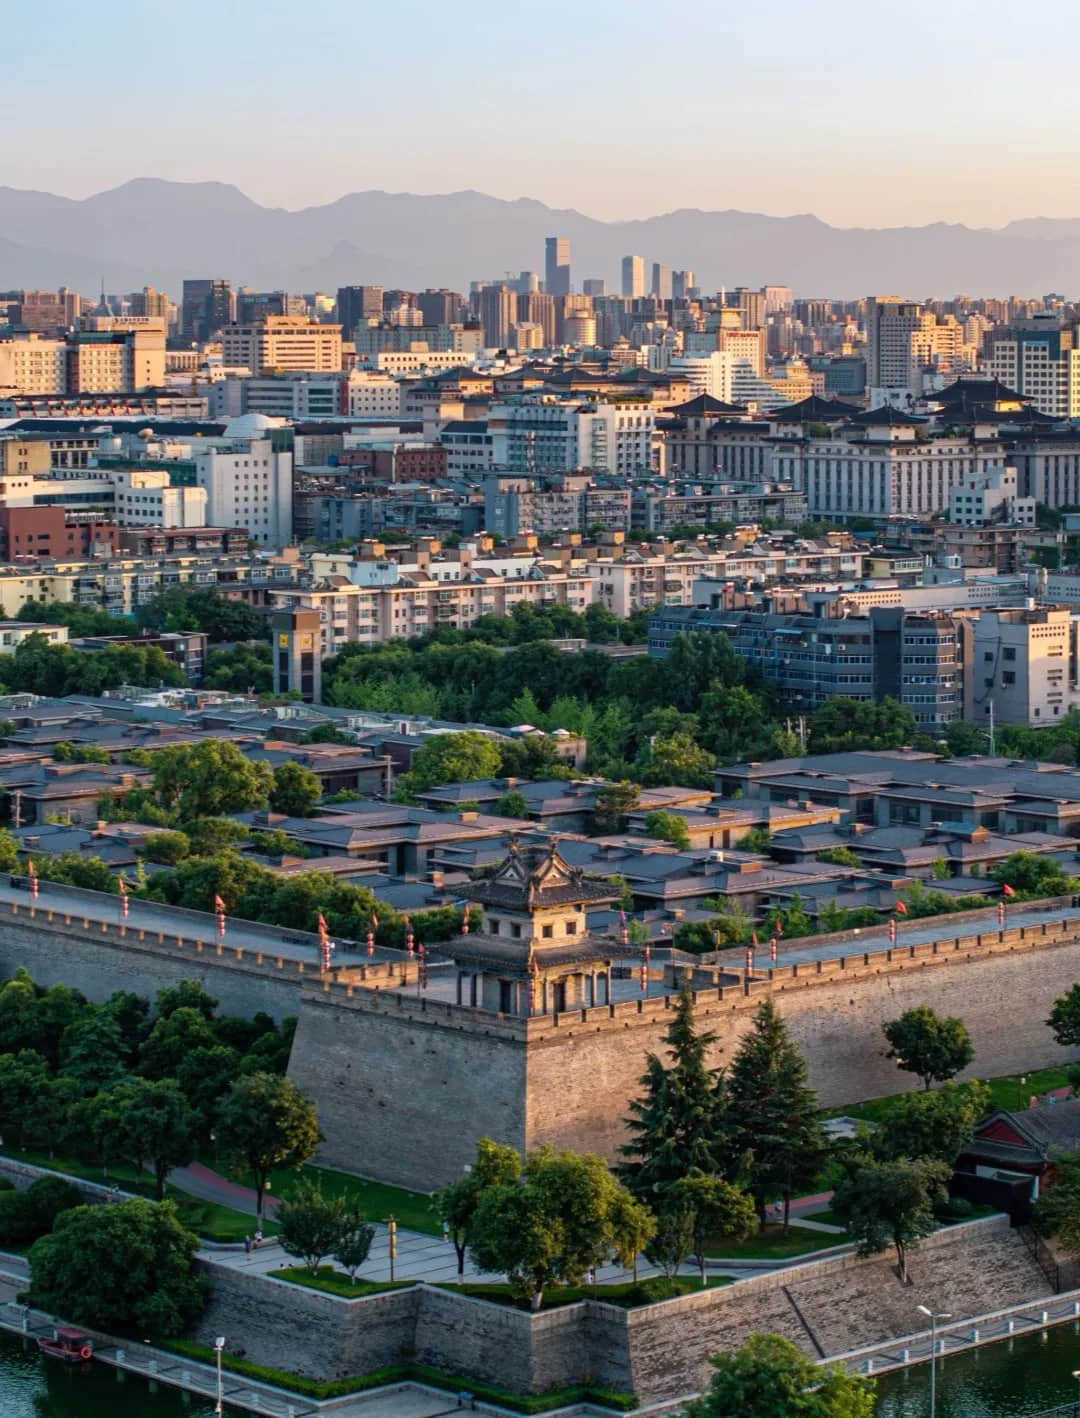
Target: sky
{"points": [[864, 114]]}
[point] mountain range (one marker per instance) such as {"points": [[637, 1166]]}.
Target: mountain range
{"points": [[153, 232]]}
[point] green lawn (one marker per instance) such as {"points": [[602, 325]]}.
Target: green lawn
{"points": [[413, 1210], [825, 1215], [1005, 1092], [772, 1244]]}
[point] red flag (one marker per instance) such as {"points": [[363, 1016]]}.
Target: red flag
{"points": [[219, 905], [1007, 890], [900, 908], [778, 929], [753, 937], [323, 928], [374, 921]]}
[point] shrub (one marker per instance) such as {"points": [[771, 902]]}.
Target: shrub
{"points": [[24, 1216]]}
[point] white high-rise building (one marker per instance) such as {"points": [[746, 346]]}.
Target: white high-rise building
{"points": [[633, 276], [1040, 359], [248, 483]]}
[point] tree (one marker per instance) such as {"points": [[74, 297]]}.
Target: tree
{"points": [[23, 1076], [672, 1241], [839, 857], [451, 758], [126, 1269], [94, 1051], [843, 724], [497, 1164], [1065, 1018], [24, 1216], [173, 1037], [354, 1241], [758, 839], [933, 1048], [716, 1209], [564, 1216], [1057, 1211], [774, 1111], [208, 779], [613, 801], [767, 1377], [186, 994], [678, 1123], [265, 1121], [158, 1126], [937, 1125], [1032, 876], [512, 804], [167, 848], [668, 827], [311, 1224], [677, 760], [294, 790], [892, 1203]]}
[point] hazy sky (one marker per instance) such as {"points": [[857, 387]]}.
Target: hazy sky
{"points": [[866, 114]]}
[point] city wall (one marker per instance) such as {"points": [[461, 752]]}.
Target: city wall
{"points": [[406, 1085], [656, 1351]]}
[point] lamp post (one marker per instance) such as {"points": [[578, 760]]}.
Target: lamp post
{"points": [[933, 1352], [219, 1345]]}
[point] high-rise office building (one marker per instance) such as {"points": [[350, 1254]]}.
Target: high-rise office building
{"points": [[537, 308], [205, 307], [527, 283], [150, 302], [776, 298], [498, 314], [1039, 358], [593, 287], [557, 265], [253, 305], [682, 283], [357, 303], [633, 276], [661, 281]]}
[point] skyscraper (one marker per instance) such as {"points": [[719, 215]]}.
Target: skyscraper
{"points": [[205, 306], [593, 287], [356, 303], [890, 323], [682, 283], [557, 265], [633, 276], [498, 312], [661, 281]]}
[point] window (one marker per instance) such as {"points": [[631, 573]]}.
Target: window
{"points": [[515, 930], [571, 928], [548, 931]]}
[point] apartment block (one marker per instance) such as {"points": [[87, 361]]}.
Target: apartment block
{"points": [[282, 343], [1024, 664]]}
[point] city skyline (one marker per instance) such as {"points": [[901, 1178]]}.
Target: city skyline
{"points": [[788, 130]]}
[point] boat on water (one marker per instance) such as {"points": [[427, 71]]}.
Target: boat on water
{"points": [[71, 1345]]}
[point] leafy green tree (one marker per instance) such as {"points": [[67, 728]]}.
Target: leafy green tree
{"points": [[265, 1122], [1032, 876], [1065, 1018], [512, 804], [99, 1122], [172, 1037], [673, 1240], [668, 827], [241, 669], [613, 801], [963, 737], [24, 1216], [678, 1124], [167, 848], [767, 1377], [94, 1051], [294, 790], [23, 1076], [130, 1013], [53, 1110], [793, 919], [208, 779], [892, 1203], [186, 994], [353, 1244], [677, 760], [210, 835], [1057, 1211], [718, 1211], [311, 1224], [327, 733], [497, 1164], [839, 857], [452, 758], [842, 725], [932, 1048], [126, 1269], [564, 1216], [938, 1125], [158, 1126], [758, 839], [206, 1074], [774, 1111]]}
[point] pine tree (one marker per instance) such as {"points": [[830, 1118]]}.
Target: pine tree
{"points": [[774, 1112], [678, 1123]]}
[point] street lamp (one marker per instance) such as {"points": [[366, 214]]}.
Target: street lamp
{"points": [[933, 1318], [219, 1345]]}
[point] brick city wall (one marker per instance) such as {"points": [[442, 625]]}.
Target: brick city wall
{"points": [[406, 1085], [657, 1351]]}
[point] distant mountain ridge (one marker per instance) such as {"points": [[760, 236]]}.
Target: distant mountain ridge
{"points": [[150, 231]]}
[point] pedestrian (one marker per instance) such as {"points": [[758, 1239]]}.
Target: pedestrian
{"points": [[247, 1246], [258, 1237]]}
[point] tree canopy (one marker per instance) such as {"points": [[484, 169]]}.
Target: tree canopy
{"points": [[932, 1048], [767, 1377]]}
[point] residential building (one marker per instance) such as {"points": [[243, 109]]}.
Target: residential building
{"points": [[498, 314], [990, 497], [661, 281], [890, 323], [1024, 664], [248, 483], [281, 343], [146, 497], [438, 307], [1041, 360], [355, 304], [116, 356], [33, 364], [545, 434]]}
